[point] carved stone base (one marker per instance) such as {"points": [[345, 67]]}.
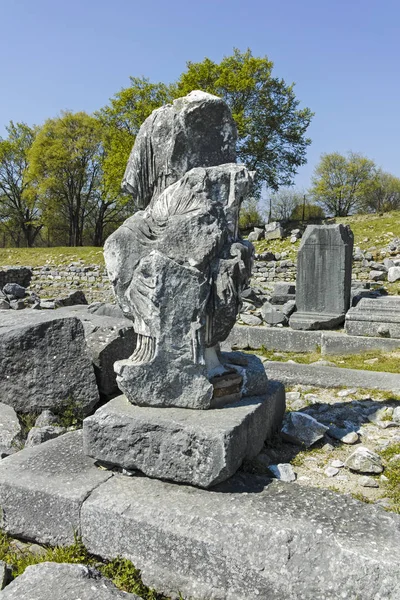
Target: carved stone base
{"points": [[201, 448]]}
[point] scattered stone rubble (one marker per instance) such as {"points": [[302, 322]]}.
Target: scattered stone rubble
{"points": [[339, 436]]}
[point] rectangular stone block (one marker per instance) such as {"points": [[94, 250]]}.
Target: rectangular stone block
{"points": [[247, 539], [198, 447], [283, 339], [325, 377], [375, 317], [323, 285], [44, 362], [42, 489], [340, 343]]}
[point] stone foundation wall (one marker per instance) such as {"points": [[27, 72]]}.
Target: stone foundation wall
{"points": [[20, 275], [51, 281], [267, 269]]}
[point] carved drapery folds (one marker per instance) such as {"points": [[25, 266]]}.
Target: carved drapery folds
{"points": [[178, 266]]}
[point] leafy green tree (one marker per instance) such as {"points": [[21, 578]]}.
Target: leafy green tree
{"points": [[64, 160], [250, 215], [307, 212], [122, 119], [19, 205], [284, 202], [110, 206], [271, 127], [341, 183], [384, 195]]}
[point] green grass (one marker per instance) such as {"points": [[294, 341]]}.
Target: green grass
{"points": [[121, 571], [300, 458], [392, 472], [37, 257], [369, 231], [388, 362], [360, 496], [379, 230]]}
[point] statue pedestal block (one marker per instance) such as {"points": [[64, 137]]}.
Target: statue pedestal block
{"points": [[199, 447]]}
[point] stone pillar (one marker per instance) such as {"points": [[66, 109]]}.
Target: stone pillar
{"points": [[323, 277]]}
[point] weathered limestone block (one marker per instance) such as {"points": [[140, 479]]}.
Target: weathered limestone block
{"points": [[202, 448], [393, 274], [44, 363], [247, 539], [178, 266], [42, 490], [273, 231], [108, 339], [10, 430], [323, 283], [55, 581], [377, 317]]}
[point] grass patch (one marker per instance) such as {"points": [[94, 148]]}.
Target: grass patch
{"points": [[369, 230], [300, 458], [373, 230], [37, 257], [27, 421], [70, 414], [392, 472], [387, 362], [121, 571], [359, 496], [19, 560]]}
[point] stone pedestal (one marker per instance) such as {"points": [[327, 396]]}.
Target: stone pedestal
{"points": [[323, 277], [201, 448], [375, 317]]}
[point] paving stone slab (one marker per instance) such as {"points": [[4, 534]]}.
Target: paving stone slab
{"points": [[42, 489], [326, 377], [340, 343], [291, 340], [200, 447], [53, 581], [246, 539], [283, 339]]}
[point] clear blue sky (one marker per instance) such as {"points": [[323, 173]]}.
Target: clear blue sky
{"points": [[343, 55]]}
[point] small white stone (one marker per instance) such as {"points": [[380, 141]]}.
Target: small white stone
{"points": [[345, 393], [368, 482], [338, 464], [283, 472], [350, 438], [331, 471]]}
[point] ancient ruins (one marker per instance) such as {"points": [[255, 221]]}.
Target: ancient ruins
{"points": [[187, 463]]}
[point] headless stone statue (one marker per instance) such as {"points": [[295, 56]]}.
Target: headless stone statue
{"points": [[178, 266]]}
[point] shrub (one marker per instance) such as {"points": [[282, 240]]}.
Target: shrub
{"points": [[311, 211], [250, 215]]}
